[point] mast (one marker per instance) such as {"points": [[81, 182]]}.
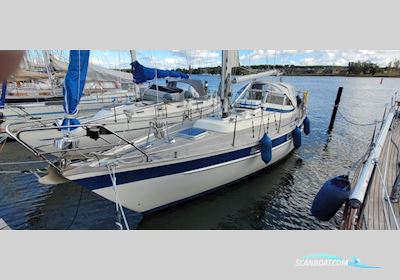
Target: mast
{"points": [[230, 58], [133, 55]]}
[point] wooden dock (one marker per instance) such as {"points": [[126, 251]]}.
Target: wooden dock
{"points": [[3, 225], [380, 213]]}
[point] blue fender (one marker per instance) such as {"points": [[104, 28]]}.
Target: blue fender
{"points": [[296, 137], [266, 148], [306, 124], [330, 198]]}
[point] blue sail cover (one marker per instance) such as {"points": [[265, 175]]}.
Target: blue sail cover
{"points": [[3, 94], [142, 74], [74, 84]]}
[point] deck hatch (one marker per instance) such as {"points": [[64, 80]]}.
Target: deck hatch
{"points": [[193, 133]]}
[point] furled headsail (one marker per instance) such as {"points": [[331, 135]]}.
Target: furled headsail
{"points": [[3, 94], [142, 74], [74, 84]]}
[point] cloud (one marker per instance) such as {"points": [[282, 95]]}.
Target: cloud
{"points": [[289, 51], [309, 61], [197, 58], [340, 62], [170, 59]]}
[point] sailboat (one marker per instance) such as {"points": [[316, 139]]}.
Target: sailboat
{"points": [[173, 106], [259, 128], [169, 103], [34, 97]]}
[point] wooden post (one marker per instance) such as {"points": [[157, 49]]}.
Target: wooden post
{"points": [[335, 108]]}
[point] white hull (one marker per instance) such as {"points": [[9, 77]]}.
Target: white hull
{"points": [[146, 195], [210, 153]]}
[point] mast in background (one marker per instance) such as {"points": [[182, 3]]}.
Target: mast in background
{"points": [[46, 57], [25, 63], [136, 89]]}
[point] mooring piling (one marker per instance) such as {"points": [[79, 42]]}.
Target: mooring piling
{"points": [[335, 108]]}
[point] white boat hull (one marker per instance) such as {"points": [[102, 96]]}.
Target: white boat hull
{"points": [[150, 194]]}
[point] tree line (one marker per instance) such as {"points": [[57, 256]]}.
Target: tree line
{"points": [[360, 68]]}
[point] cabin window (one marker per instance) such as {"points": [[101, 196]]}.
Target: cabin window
{"points": [[274, 98], [256, 92], [255, 95], [288, 102]]}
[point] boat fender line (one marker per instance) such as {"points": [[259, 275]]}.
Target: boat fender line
{"points": [[306, 126], [266, 148], [120, 213], [331, 197], [296, 137]]}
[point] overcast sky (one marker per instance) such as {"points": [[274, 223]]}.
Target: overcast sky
{"points": [[202, 58]]}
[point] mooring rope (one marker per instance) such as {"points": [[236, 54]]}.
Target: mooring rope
{"points": [[355, 123], [3, 141], [385, 196], [76, 210], [118, 206]]}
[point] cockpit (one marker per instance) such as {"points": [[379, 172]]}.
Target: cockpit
{"points": [[276, 97]]}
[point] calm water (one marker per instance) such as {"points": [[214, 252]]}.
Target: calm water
{"points": [[277, 198]]}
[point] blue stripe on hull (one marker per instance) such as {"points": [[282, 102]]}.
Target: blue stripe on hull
{"points": [[280, 140], [171, 204], [279, 110], [103, 181]]}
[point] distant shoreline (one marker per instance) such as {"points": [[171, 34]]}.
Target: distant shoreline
{"points": [[353, 69], [343, 75], [322, 75], [313, 71]]}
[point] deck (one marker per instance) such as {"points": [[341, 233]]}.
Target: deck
{"points": [[380, 213]]}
